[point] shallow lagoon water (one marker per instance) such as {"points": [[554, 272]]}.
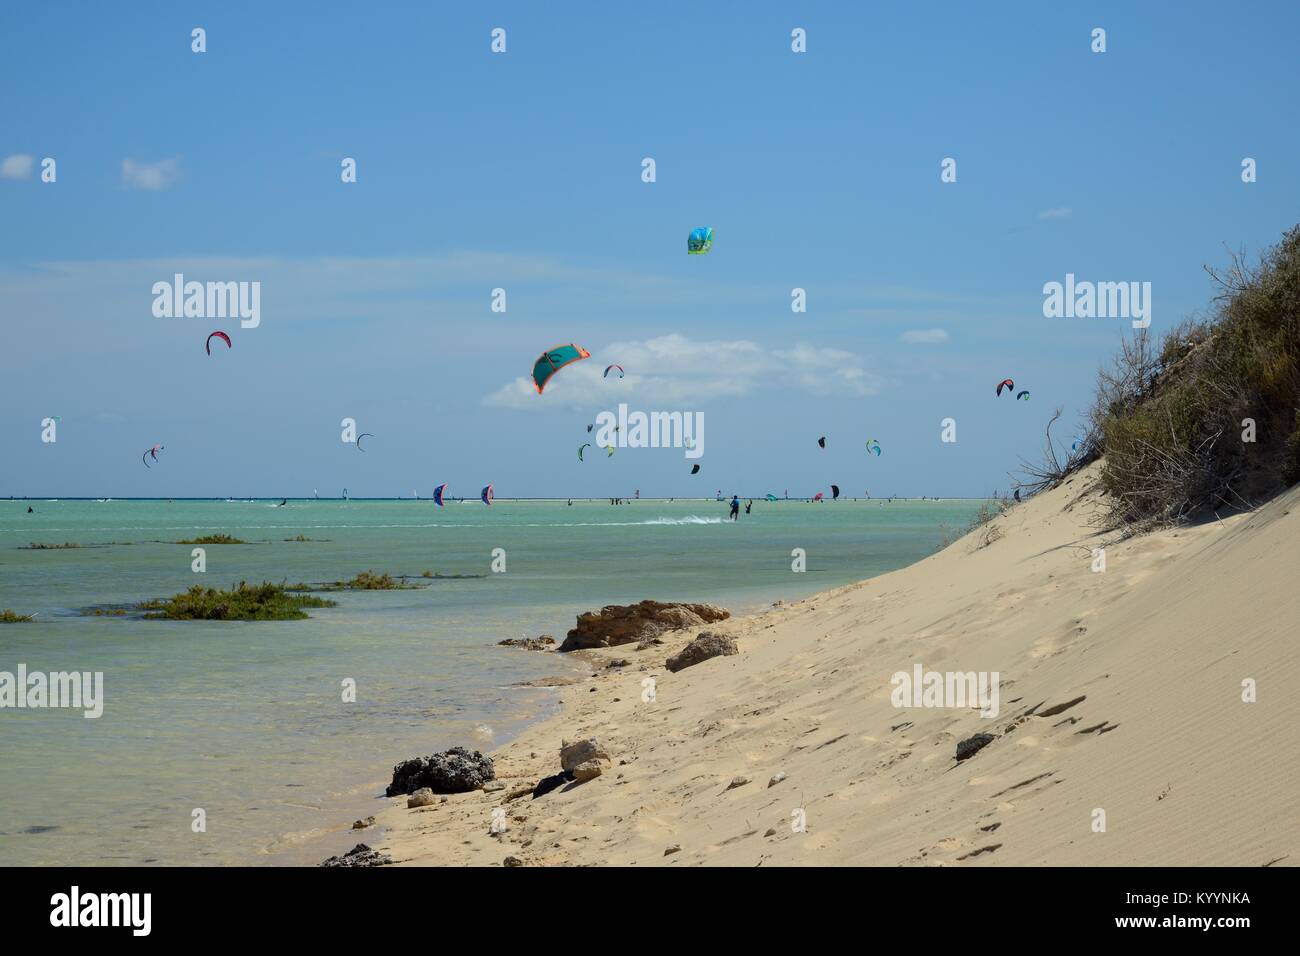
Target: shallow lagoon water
{"points": [[246, 721]]}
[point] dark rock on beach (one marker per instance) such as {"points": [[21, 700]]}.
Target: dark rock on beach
{"points": [[453, 771], [360, 855], [972, 745], [543, 643], [701, 649], [631, 623]]}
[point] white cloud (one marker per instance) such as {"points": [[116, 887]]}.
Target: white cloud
{"points": [[1056, 212], [675, 371], [17, 166], [926, 337], [152, 176]]}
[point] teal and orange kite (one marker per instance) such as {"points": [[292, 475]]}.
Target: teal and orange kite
{"points": [[552, 360]]}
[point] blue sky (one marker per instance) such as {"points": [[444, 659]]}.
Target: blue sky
{"points": [[522, 171]]}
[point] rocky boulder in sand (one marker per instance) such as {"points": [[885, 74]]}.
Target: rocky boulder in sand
{"points": [[582, 751], [702, 648], [453, 771], [629, 623], [420, 798]]}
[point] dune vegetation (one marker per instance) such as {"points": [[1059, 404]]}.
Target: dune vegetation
{"points": [[1207, 417]]}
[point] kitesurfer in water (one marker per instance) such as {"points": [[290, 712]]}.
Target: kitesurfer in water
{"points": [[749, 504], [735, 507]]}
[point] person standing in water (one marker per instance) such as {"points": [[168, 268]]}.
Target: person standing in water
{"points": [[749, 504], [735, 507]]}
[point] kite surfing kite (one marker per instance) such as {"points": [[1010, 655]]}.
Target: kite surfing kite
{"points": [[151, 453], [822, 441], [835, 492], [438, 493], [361, 436], [771, 497], [1007, 384], [589, 428], [699, 241], [820, 496], [551, 361], [486, 495], [609, 451], [216, 335], [695, 469], [1023, 396], [621, 373], [587, 445], [873, 446]]}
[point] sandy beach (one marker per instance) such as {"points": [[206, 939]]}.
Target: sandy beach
{"points": [[1121, 738]]}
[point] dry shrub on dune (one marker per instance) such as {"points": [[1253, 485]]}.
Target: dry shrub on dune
{"points": [[1208, 418], [1174, 423]]}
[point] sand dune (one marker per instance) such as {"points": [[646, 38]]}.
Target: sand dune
{"points": [[1120, 691]]}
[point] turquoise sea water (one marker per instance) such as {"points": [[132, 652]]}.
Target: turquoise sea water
{"points": [[246, 720]]}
